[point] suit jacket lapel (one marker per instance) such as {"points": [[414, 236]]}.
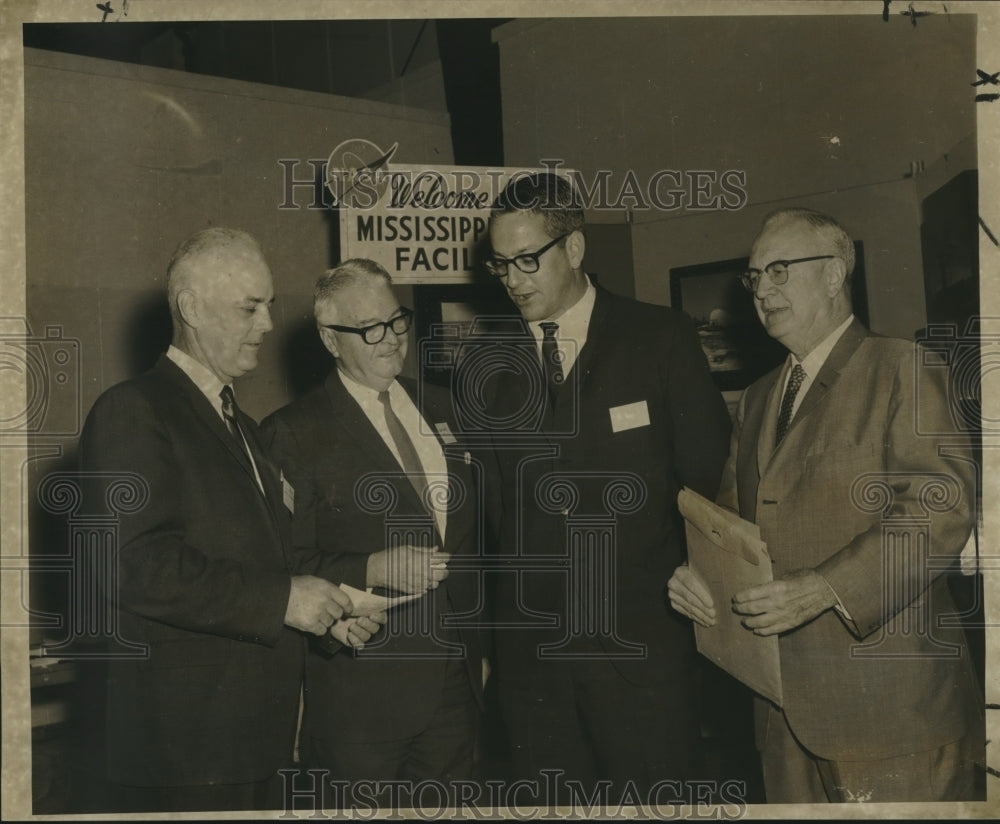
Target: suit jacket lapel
{"points": [[270, 474], [433, 417], [344, 411], [593, 345], [457, 461], [571, 392], [520, 387], [348, 414], [204, 411], [830, 371], [768, 416], [818, 389]]}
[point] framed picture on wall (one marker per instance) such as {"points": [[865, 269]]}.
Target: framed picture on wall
{"points": [[738, 349]]}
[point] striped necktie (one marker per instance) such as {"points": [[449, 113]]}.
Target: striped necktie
{"points": [[229, 412], [551, 360]]}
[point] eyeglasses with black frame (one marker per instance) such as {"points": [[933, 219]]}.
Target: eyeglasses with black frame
{"points": [[526, 262], [400, 325], [777, 270]]}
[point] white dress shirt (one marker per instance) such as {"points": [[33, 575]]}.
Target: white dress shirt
{"points": [[812, 363], [211, 387], [424, 440], [574, 324]]}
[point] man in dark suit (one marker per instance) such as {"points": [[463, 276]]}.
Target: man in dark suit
{"points": [[861, 510], [205, 575], [386, 495], [602, 410]]}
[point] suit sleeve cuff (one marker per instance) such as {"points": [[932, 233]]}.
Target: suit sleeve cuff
{"points": [[839, 607], [272, 608]]}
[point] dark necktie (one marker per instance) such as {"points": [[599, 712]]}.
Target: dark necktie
{"points": [[788, 401], [404, 446], [229, 410], [551, 360]]}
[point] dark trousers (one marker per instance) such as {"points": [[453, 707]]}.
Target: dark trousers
{"points": [[585, 720], [442, 752], [257, 795]]}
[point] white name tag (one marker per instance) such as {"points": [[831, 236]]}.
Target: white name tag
{"points": [[629, 416], [445, 432], [287, 494]]}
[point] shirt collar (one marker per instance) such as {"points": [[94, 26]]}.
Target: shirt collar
{"points": [[365, 394], [813, 362], [203, 377], [573, 323]]}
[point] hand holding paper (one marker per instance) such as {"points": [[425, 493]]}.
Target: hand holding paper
{"points": [[356, 630], [690, 596], [408, 569], [314, 604], [368, 604], [784, 604], [727, 558]]}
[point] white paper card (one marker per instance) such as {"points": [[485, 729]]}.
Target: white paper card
{"points": [[365, 603], [629, 416]]}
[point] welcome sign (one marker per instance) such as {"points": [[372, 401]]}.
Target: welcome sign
{"points": [[425, 224]]}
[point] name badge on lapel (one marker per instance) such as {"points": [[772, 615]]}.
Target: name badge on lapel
{"points": [[287, 493], [629, 416], [444, 431]]}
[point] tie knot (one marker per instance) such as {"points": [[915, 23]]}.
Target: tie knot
{"points": [[383, 397], [549, 329], [228, 402]]}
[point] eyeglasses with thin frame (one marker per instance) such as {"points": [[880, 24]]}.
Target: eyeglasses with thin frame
{"points": [[400, 325], [777, 270], [526, 262]]}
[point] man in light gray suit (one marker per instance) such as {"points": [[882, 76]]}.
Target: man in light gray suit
{"points": [[880, 702]]}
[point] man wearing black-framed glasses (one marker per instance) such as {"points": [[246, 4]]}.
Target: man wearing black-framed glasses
{"points": [[625, 397], [375, 333], [527, 262], [383, 494], [836, 456]]}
